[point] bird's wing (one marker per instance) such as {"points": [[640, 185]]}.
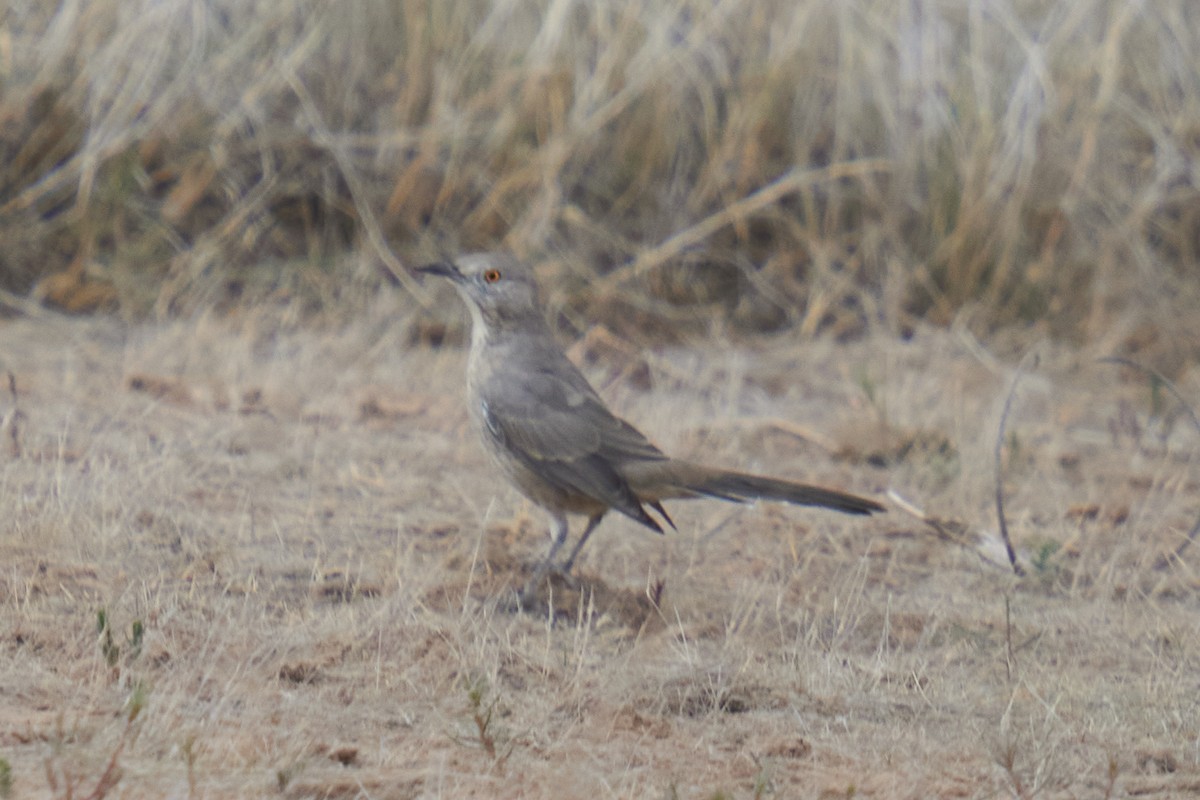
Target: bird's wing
{"points": [[559, 427], [554, 414]]}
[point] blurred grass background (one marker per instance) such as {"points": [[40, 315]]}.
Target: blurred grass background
{"points": [[811, 165]]}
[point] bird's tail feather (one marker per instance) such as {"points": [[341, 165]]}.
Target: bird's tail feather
{"points": [[682, 479]]}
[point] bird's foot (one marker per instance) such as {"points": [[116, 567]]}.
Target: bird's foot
{"points": [[538, 592]]}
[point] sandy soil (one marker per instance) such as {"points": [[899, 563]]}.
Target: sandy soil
{"points": [[305, 562]]}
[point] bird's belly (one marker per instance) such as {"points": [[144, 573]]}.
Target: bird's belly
{"points": [[534, 485]]}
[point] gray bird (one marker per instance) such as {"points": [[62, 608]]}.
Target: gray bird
{"points": [[553, 437]]}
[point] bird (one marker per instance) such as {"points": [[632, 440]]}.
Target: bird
{"points": [[554, 438]]}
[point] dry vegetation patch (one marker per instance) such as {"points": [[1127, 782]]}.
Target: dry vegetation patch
{"points": [[304, 600], [249, 547], [769, 164]]}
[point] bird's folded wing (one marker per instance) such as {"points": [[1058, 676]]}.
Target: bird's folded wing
{"points": [[569, 438], [550, 417]]}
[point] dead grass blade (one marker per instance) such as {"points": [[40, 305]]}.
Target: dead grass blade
{"points": [[1165, 560]]}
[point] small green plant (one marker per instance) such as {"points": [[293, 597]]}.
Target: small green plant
{"points": [[137, 702], [1043, 552], [137, 632], [482, 716], [865, 382], [483, 713], [188, 749], [65, 782], [763, 785], [870, 389], [1113, 772], [1158, 401], [285, 775], [108, 646], [5, 779]]}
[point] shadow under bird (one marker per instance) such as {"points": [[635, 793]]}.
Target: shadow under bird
{"points": [[553, 437]]}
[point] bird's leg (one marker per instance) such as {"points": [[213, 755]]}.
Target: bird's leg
{"points": [[560, 530], [592, 522]]}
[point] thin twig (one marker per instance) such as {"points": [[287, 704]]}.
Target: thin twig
{"points": [[790, 182], [1164, 561], [13, 419], [24, 305], [1032, 361], [394, 271], [1008, 648], [952, 531]]}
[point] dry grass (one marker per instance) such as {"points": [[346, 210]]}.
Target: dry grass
{"points": [[248, 546], [779, 163], [318, 553]]}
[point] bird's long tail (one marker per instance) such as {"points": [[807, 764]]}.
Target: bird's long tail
{"points": [[682, 479]]}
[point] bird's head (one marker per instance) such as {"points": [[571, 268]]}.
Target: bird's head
{"points": [[499, 289]]}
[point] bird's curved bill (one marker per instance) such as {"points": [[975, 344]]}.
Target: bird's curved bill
{"points": [[442, 268]]}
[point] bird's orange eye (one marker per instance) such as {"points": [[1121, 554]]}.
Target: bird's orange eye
{"points": [[492, 275]]}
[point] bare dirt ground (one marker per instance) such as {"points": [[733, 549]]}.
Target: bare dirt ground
{"points": [[303, 561]]}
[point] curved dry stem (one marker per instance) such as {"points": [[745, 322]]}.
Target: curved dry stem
{"points": [[1030, 361]]}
